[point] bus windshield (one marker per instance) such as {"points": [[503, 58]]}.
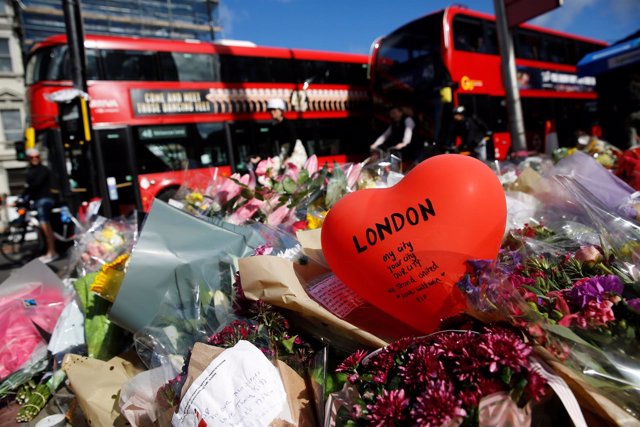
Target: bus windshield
{"points": [[409, 58]]}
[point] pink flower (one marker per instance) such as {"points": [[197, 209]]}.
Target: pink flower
{"points": [[353, 173], [245, 212], [536, 386], [311, 165], [589, 254], [263, 250], [438, 406], [388, 408], [351, 362], [503, 348], [229, 188], [560, 304], [278, 216], [422, 365], [599, 313]]}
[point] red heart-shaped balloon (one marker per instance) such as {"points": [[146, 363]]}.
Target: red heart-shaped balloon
{"points": [[404, 248]]}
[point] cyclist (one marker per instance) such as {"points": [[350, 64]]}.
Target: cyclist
{"points": [[38, 190], [401, 135]]}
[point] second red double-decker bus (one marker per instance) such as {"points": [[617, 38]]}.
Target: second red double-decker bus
{"points": [[159, 106], [421, 62]]}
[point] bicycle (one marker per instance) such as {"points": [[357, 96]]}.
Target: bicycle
{"points": [[24, 239]]}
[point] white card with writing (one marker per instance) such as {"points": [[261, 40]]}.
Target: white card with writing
{"points": [[239, 388], [335, 296]]}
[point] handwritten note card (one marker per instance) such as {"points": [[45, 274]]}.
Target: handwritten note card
{"points": [[335, 296], [239, 388]]}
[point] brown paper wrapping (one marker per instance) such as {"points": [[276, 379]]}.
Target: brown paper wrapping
{"points": [[280, 283], [96, 385], [299, 403], [527, 181]]}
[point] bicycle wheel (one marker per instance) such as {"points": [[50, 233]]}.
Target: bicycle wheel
{"points": [[22, 244]]}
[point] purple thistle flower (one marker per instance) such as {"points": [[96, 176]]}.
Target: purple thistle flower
{"points": [[388, 408], [594, 289], [437, 406], [634, 304]]}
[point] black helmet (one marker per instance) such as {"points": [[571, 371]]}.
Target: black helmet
{"points": [[459, 110]]}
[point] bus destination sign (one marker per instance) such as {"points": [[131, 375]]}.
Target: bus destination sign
{"points": [[159, 102]]}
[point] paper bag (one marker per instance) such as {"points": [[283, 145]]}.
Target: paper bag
{"points": [[96, 385], [294, 384]]}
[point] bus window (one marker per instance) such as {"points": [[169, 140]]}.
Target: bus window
{"points": [[528, 45], [554, 49], [249, 138], [93, 70], [357, 74], [130, 65], [490, 43], [212, 149], [187, 67], [280, 70], [468, 34], [243, 69], [322, 72]]}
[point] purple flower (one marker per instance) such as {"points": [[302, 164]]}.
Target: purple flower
{"points": [[594, 289], [388, 408], [634, 304], [438, 406], [503, 348], [422, 365], [350, 364]]}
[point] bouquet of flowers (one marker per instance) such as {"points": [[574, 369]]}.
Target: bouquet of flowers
{"points": [[442, 379], [572, 285], [291, 196]]}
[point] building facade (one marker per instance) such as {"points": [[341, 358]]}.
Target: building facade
{"points": [[12, 109]]}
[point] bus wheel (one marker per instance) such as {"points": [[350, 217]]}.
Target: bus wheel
{"points": [[167, 193]]}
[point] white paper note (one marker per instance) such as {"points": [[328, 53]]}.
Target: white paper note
{"points": [[239, 388]]}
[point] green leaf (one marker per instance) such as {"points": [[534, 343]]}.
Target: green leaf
{"points": [[246, 193], [303, 177], [289, 185], [288, 344], [506, 374]]}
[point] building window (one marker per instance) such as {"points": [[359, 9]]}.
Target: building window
{"points": [[3, 7], [12, 125], [5, 56]]}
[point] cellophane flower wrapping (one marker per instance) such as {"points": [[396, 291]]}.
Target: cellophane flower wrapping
{"points": [[569, 279], [103, 241]]}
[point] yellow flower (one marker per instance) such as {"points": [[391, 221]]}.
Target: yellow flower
{"points": [[315, 220], [108, 280]]}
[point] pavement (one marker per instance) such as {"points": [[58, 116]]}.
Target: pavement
{"points": [[59, 266]]}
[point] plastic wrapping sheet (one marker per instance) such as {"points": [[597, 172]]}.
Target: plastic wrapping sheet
{"points": [[172, 238], [31, 301]]}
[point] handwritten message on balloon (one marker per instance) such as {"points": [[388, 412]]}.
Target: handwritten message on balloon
{"points": [[403, 248]]}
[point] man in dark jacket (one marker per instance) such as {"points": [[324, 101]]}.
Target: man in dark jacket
{"points": [[38, 189], [470, 130]]}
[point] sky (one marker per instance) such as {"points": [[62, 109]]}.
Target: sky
{"points": [[352, 25]]}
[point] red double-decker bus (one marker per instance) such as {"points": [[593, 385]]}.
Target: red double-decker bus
{"points": [[158, 106], [451, 58]]}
